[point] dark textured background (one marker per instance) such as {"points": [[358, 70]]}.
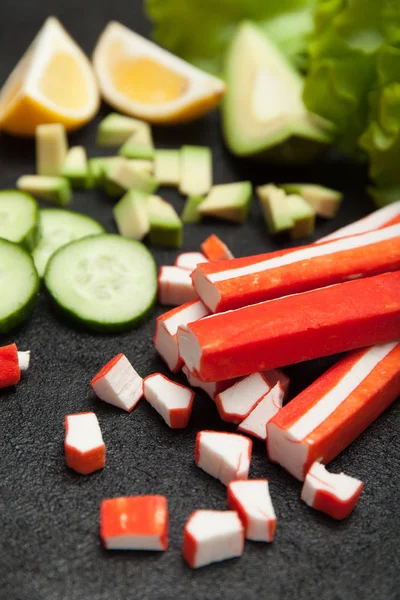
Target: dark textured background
{"points": [[49, 543]]}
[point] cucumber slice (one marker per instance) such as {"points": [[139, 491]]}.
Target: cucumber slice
{"points": [[19, 218], [19, 285], [104, 282], [59, 227]]}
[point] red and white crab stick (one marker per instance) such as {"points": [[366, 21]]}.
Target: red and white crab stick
{"points": [[211, 536], [85, 451], [165, 341], [242, 281], [189, 260], [255, 423], [215, 249], [252, 501], [327, 416], [118, 383], [388, 215], [134, 523], [293, 329], [225, 456], [331, 493], [175, 286], [173, 401], [212, 388], [12, 362]]}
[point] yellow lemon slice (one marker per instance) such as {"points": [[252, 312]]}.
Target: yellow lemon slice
{"points": [[141, 79], [53, 82]]}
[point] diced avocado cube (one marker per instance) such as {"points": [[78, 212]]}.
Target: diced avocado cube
{"points": [[195, 171], [143, 166], [139, 144], [276, 212], [54, 189], [115, 129], [76, 168], [303, 216], [51, 149], [190, 212], [167, 167], [125, 174], [132, 216], [229, 201], [97, 169], [165, 225], [325, 201]]}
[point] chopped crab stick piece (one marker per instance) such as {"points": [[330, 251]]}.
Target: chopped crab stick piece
{"points": [[292, 329], [24, 359], [118, 383], [10, 370], [85, 451], [134, 523], [256, 422], [211, 536], [327, 416], [215, 249], [225, 456], [212, 388], [189, 260], [173, 401], [331, 493], [165, 340], [252, 502], [236, 402], [175, 286], [242, 281], [388, 215]]}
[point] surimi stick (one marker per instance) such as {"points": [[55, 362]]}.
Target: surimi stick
{"points": [[326, 417], [212, 388], [12, 363], [243, 281], [118, 383], [293, 329], [215, 249], [85, 451], [334, 494], [171, 400], [165, 341], [251, 500], [225, 456], [175, 286], [256, 422], [189, 260]]}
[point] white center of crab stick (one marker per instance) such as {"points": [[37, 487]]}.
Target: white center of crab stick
{"points": [[24, 360], [118, 383], [252, 501], [209, 387], [83, 432], [175, 286], [256, 422], [225, 456], [171, 400], [235, 403], [190, 260], [211, 536]]}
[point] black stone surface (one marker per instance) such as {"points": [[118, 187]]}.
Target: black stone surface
{"points": [[49, 543]]}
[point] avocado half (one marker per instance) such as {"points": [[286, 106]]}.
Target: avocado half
{"points": [[263, 112]]}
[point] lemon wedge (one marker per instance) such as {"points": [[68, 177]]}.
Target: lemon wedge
{"points": [[52, 82], [143, 80]]}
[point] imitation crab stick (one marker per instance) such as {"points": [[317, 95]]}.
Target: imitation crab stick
{"points": [[118, 383], [165, 340], [85, 451], [134, 523], [225, 456], [215, 249], [252, 501], [388, 215], [189, 260], [212, 388], [211, 536], [175, 286], [256, 422], [242, 281], [12, 362], [334, 494], [327, 416], [292, 329], [173, 401]]}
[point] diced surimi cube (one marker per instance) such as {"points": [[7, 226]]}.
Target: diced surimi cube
{"points": [[175, 286], [24, 359], [215, 249], [256, 422], [225, 456], [165, 340], [211, 536], [388, 215], [212, 388], [243, 281], [331, 493], [134, 523], [173, 401], [85, 451], [189, 260], [292, 329], [327, 416], [252, 501], [12, 363], [118, 383]]}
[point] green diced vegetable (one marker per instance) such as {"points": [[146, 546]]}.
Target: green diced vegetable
{"points": [[131, 215], [76, 168], [190, 212], [277, 216], [115, 129], [165, 225], [229, 201], [53, 189], [140, 144], [196, 170], [167, 168], [325, 201], [51, 149]]}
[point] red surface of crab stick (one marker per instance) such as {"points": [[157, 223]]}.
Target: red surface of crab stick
{"points": [[211, 536], [388, 215], [327, 416], [12, 363], [331, 493], [189, 260], [242, 281], [256, 422], [85, 451], [212, 388], [118, 383], [165, 341], [173, 401], [134, 523], [175, 286], [215, 249], [293, 329], [225, 456], [252, 502]]}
